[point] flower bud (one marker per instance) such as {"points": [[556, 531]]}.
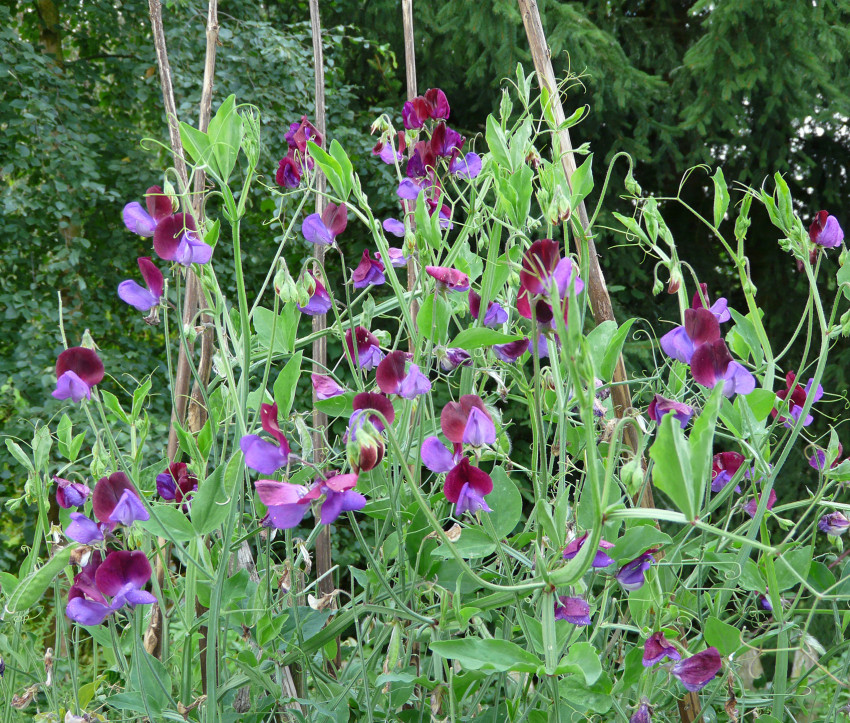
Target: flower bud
{"points": [[284, 284], [365, 448], [657, 287], [381, 125]]}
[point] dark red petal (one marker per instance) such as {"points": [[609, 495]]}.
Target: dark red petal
{"points": [[817, 225], [169, 231], [85, 363], [523, 305], [438, 104], [121, 567], [701, 326], [538, 263], [464, 473], [159, 205], [453, 422], [696, 301], [335, 218], [438, 138], [378, 402], [468, 401], [390, 371], [152, 275], [475, 303], [107, 492], [709, 362]]}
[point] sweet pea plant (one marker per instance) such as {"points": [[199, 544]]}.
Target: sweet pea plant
{"points": [[508, 571]]}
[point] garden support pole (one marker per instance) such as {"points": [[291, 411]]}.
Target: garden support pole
{"points": [[412, 92], [600, 300]]}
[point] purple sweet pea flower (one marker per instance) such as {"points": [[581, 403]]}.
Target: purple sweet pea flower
{"points": [[394, 226], [260, 455], [323, 230], [468, 166], [712, 363], [143, 299], [396, 376], [378, 403], [543, 267], [439, 458], [450, 359], [466, 486], [77, 370], [445, 142], [701, 327], [656, 648], [818, 459], [409, 190], [825, 231], [723, 468], [467, 421], [834, 523], [142, 222], [368, 272], [116, 500], [719, 308], [433, 104], [512, 351], [288, 174], [286, 503], [496, 314], [384, 148], [643, 714], [397, 257], [659, 406], [797, 397], [448, 279], [574, 610], [697, 671], [83, 530], [339, 496], [369, 353], [753, 504], [599, 560], [177, 483], [70, 494], [319, 302], [176, 239], [325, 387], [631, 575]]}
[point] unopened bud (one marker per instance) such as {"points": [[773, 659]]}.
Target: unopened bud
{"points": [[409, 248], [532, 158], [675, 281], [381, 125], [285, 286], [657, 287], [169, 190]]}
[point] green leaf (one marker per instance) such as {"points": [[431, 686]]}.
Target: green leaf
{"points": [[171, 523], [150, 677], [480, 336], [582, 182], [671, 472], [427, 225], [433, 318], [32, 587], [583, 658], [724, 637], [721, 197], [330, 167], [506, 503], [210, 504], [760, 402], [492, 654], [473, 543], [521, 183], [285, 327], [583, 697], [701, 445], [42, 441], [110, 401], [346, 169], [286, 385], [225, 137], [197, 144], [497, 142], [338, 406], [613, 350], [792, 566], [750, 578], [139, 397], [19, 454], [637, 540], [63, 435]]}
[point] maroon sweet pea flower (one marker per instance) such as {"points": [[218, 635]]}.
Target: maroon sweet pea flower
{"points": [[323, 229], [176, 239], [364, 447], [143, 223], [697, 671], [288, 174], [448, 279], [115, 500], [825, 230], [719, 308], [70, 494], [796, 397], [712, 363], [574, 610], [260, 455], [468, 422], [632, 575], [752, 506], [369, 353], [723, 468], [656, 648], [659, 406], [451, 358], [542, 266], [368, 272], [177, 483], [396, 375], [496, 314], [600, 559], [466, 486], [376, 402], [512, 351], [143, 299], [701, 327], [77, 370], [433, 104]]}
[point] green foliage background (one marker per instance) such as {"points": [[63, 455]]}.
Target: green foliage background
{"points": [[752, 85]]}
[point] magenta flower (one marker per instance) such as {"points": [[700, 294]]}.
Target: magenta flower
{"points": [[177, 483], [466, 486], [291, 166], [368, 272], [433, 104], [116, 501], [719, 308], [409, 190], [397, 257], [70, 494], [83, 530], [796, 397], [260, 455], [834, 523], [339, 496], [384, 148], [496, 314], [631, 575], [143, 299], [376, 402], [448, 279], [511, 351], [288, 503], [659, 406], [574, 610], [723, 469], [446, 142], [701, 327], [369, 354], [77, 370], [468, 422], [753, 504], [395, 375], [697, 671], [288, 174], [825, 230], [437, 457], [319, 302], [142, 222], [451, 358], [325, 387], [323, 230], [121, 576], [643, 714], [712, 363], [176, 239], [656, 648], [599, 560], [543, 267]]}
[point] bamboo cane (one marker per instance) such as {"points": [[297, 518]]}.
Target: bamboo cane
{"points": [[410, 73]]}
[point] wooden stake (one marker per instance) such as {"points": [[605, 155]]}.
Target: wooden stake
{"points": [[410, 72]]}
